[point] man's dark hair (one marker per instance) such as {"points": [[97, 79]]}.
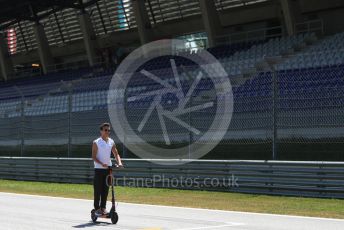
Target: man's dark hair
{"points": [[104, 125]]}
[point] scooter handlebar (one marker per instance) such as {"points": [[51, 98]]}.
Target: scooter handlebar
{"points": [[116, 166]]}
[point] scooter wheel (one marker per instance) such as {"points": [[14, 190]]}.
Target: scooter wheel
{"points": [[114, 216], [93, 215]]}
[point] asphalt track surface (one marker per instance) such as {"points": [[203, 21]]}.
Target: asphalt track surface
{"points": [[40, 212]]}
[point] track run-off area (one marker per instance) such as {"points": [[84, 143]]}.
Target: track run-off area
{"points": [[20, 211]]}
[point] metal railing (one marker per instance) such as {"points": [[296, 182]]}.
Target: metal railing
{"points": [[252, 35], [75, 65], [21, 73], [308, 179], [316, 26]]}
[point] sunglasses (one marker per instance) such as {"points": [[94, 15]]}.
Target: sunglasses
{"points": [[107, 130]]}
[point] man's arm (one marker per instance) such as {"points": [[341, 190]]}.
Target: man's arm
{"points": [[94, 155], [116, 155]]}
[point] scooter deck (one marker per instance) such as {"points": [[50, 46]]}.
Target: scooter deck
{"points": [[103, 216]]}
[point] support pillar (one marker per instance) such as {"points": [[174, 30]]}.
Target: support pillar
{"points": [[89, 37], [211, 21], [142, 21], [43, 48], [5, 59], [291, 15]]}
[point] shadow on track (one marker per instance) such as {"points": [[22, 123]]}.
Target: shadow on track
{"points": [[91, 224]]}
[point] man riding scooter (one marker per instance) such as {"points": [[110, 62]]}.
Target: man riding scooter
{"points": [[101, 154]]}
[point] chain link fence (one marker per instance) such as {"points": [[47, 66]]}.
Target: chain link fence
{"points": [[295, 114]]}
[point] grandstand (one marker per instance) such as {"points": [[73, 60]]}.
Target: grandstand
{"points": [[286, 66]]}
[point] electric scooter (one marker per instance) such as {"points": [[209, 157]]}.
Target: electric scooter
{"points": [[112, 214]]}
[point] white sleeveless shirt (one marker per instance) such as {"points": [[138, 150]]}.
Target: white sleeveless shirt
{"points": [[104, 152]]}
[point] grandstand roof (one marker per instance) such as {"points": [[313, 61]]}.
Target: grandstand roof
{"points": [[59, 17], [32, 10]]}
